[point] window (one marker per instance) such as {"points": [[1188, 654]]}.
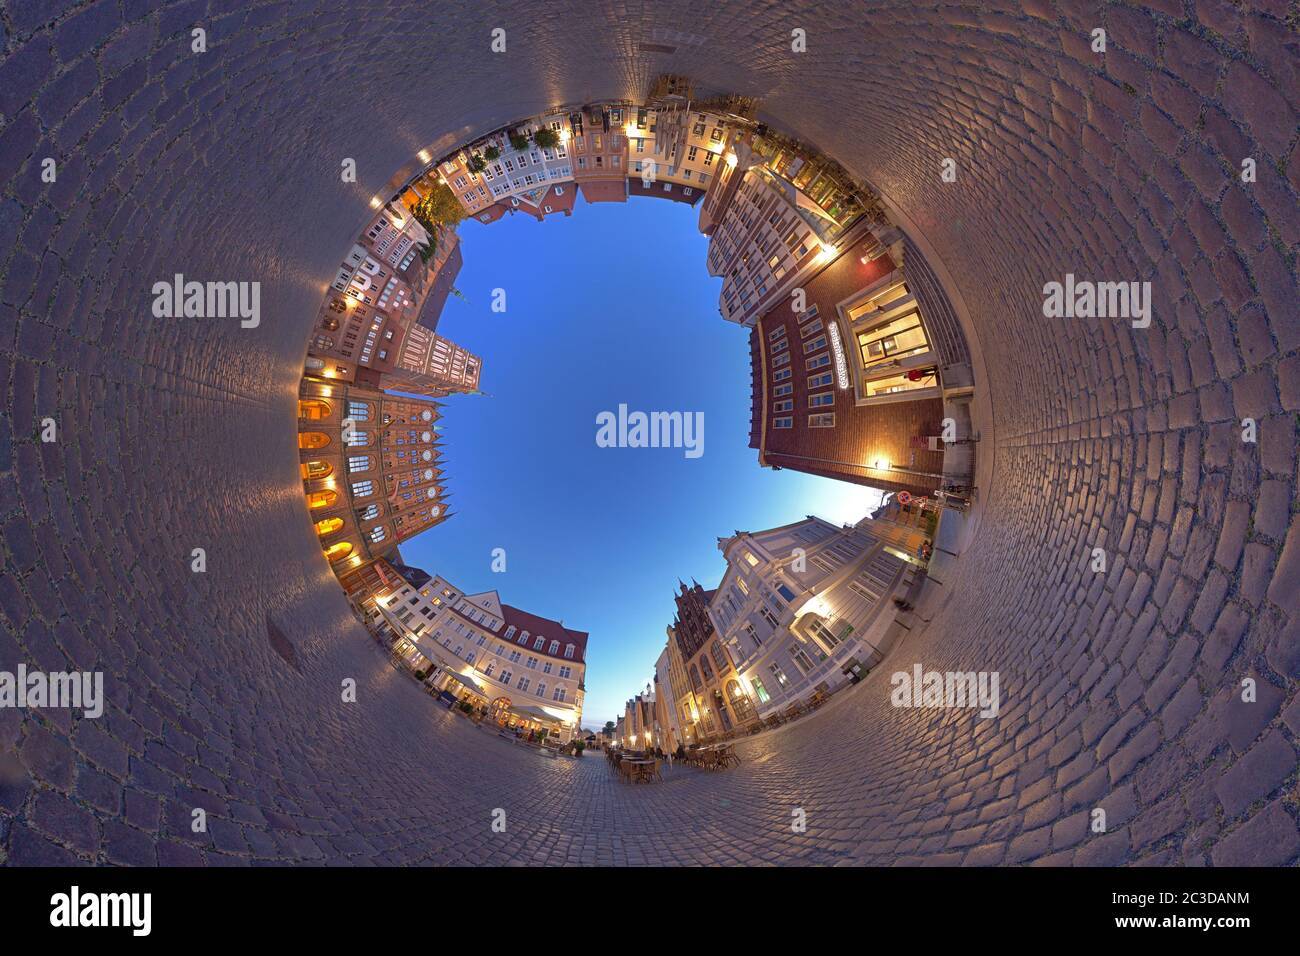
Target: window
{"points": [[531, 663], [718, 657], [814, 344], [821, 399], [779, 675], [823, 636], [515, 656], [523, 638], [510, 632], [541, 688], [523, 683], [783, 422], [537, 644], [568, 651], [361, 489], [566, 672], [785, 406], [377, 533], [559, 695], [359, 463], [505, 677], [785, 593], [359, 411], [818, 361], [760, 691], [767, 616], [800, 658], [823, 420], [821, 380]]}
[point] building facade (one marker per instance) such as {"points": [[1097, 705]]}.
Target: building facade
{"points": [[432, 365], [849, 387], [376, 296], [509, 163], [371, 469], [715, 704], [598, 148], [801, 605], [522, 669]]}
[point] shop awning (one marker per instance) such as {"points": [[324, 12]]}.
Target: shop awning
{"points": [[531, 712], [469, 683]]}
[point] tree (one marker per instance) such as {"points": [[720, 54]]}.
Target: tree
{"points": [[439, 208], [609, 728], [546, 138], [492, 153], [519, 141], [477, 164]]}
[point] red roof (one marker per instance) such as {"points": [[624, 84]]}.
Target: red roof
{"points": [[551, 630], [604, 190]]}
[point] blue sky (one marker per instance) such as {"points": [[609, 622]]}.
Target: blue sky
{"points": [[610, 305]]}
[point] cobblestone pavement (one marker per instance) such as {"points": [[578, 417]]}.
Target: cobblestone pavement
{"points": [[1120, 689]]}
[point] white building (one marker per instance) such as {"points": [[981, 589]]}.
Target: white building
{"points": [[506, 170], [523, 668], [801, 603]]}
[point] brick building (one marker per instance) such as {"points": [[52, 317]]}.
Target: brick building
{"points": [[434, 366], [707, 713], [373, 485], [850, 387]]}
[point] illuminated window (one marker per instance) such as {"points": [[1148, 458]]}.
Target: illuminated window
{"points": [[328, 526], [313, 409], [321, 499], [313, 439], [338, 551], [316, 469]]}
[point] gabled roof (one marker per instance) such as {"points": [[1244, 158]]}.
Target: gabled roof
{"points": [[551, 630], [604, 190], [489, 601]]}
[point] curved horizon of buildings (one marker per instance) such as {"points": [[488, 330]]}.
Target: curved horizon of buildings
{"points": [[859, 372]]}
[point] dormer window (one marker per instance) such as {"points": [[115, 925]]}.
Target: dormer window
{"points": [[568, 651]]}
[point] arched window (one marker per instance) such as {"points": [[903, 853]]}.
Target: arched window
{"points": [[338, 550], [368, 513], [328, 526], [313, 409], [313, 439], [704, 666], [359, 463], [523, 638], [695, 678], [718, 658], [358, 438], [316, 469], [568, 651], [377, 533], [360, 411], [324, 343], [321, 499], [740, 701]]}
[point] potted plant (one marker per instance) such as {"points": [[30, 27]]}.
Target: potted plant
{"points": [[578, 748]]}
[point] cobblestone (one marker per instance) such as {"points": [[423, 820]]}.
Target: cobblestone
{"points": [[178, 434]]}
